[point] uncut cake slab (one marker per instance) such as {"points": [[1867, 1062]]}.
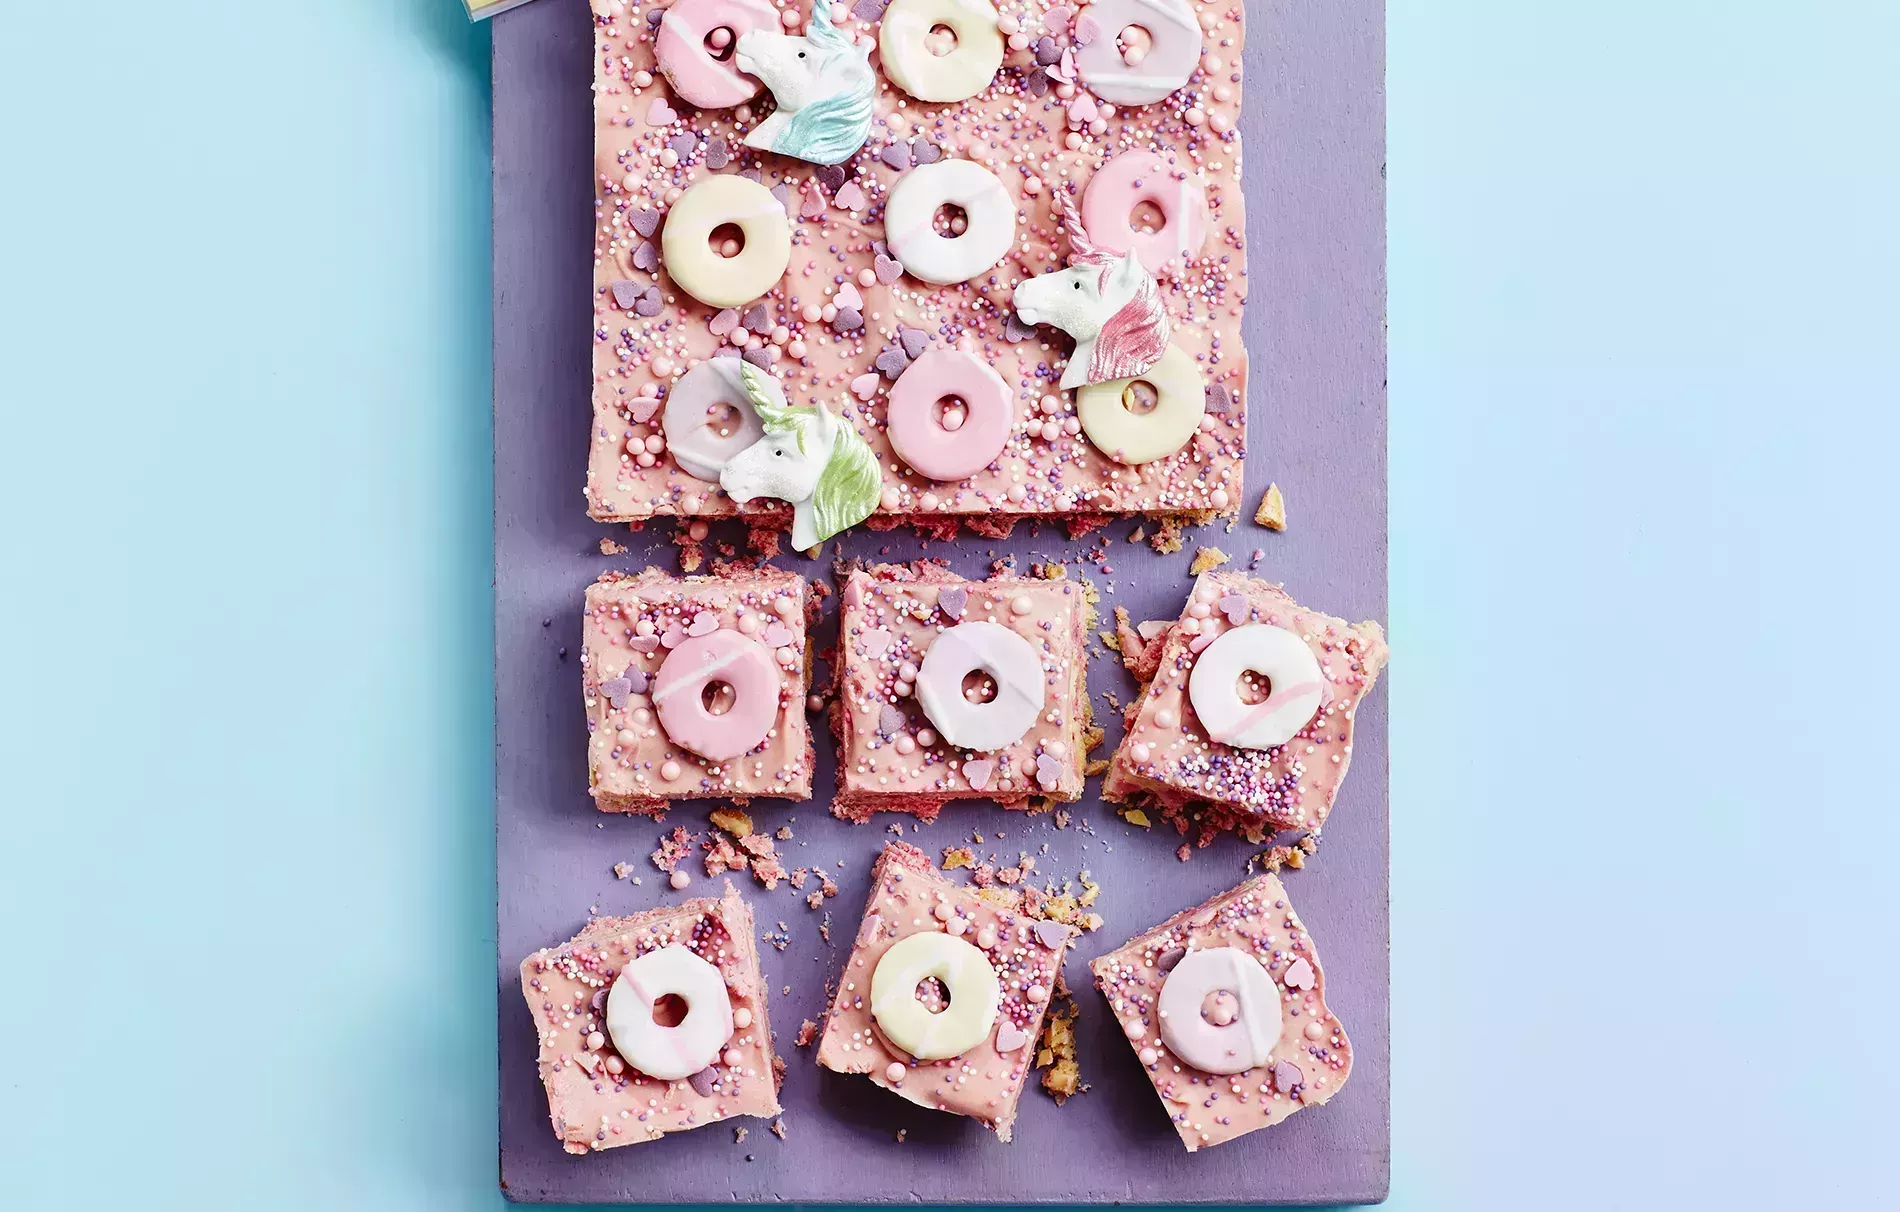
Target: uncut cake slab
{"points": [[1300, 373]]}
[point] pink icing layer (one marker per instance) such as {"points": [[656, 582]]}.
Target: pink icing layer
{"points": [[1042, 136], [1167, 755], [1313, 1056], [888, 616], [592, 1107], [629, 627], [983, 1083]]}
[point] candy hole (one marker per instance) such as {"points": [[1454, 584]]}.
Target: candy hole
{"points": [[978, 686], [1146, 218], [952, 412], [721, 42], [950, 218], [1253, 687], [1220, 1007], [669, 1010], [718, 698], [727, 240], [1140, 398], [941, 40], [722, 418], [1135, 42], [934, 994]]}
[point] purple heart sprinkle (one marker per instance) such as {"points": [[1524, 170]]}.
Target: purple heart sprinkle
{"points": [[1287, 1075], [831, 176], [1218, 399], [757, 356], [1051, 934], [1037, 82], [848, 319], [638, 680], [646, 222], [914, 341], [626, 294], [889, 269], [890, 720], [1015, 329], [868, 929], [704, 1081], [870, 10], [616, 691], [753, 174], [923, 151], [783, 193], [755, 319], [892, 362], [1235, 607], [683, 144], [897, 155], [952, 601], [650, 304], [718, 153], [1047, 52], [646, 256], [1169, 958]]}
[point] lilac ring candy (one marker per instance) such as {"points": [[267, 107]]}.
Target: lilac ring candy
{"points": [[1170, 61], [1246, 1041], [1008, 658], [705, 660], [698, 445], [918, 434]]}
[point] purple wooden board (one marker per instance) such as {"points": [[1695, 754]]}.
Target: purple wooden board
{"points": [[1314, 130]]}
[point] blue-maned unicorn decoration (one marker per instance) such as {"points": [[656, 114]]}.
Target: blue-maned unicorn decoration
{"points": [[809, 457], [823, 84]]}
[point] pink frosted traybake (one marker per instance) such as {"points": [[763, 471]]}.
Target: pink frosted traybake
{"points": [[597, 1099], [892, 756], [846, 321], [1168, 758], [1235, 983], [1021, 955], [695, 688]]}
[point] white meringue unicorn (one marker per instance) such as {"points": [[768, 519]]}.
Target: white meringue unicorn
{"points": [[1110, 304]]}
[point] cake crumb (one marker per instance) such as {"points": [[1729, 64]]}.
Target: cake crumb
{"points": [[1136, 816], [806, 1031], [1167, 540], [738, 1135], [1184, 852], [673, 849], [1137, 535], [958, 856], [1206, 560], [1272, 511], [778, 1127], [610, 548], [901, 1134], [1061, 1075], [733, 821]]}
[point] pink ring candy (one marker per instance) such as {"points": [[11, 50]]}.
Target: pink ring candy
{"points": [[1135, 177], [680, 49], [917, 433], [700, 661]]}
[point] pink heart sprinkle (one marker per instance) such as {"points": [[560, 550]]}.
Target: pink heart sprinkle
{"points": [[1083, 110], [1236, 608], [1056, 20], [777, 635], [850, 197], [672, 637], [1299, 975], [644, 643], [724, 322], [848, 296], [1087, 28], [865, 386], [813, 204], [889, 270], [643, 408], [660, 113], [877, 642], [979, 772], [1010, 1037], [704, 623]]}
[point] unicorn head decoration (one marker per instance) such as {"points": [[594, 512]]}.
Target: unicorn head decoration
{"points": [[823, 84], [809, 457], [1110, 304]]}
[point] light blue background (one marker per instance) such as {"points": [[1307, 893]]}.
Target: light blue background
{"points": [[1643, 474]]}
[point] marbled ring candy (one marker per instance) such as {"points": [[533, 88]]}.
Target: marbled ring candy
{"points": [[911, 211], [1170, 61], [1295, 686], [917, 431], [702, 661], [1244, 1042], [1127, 181], [1008, 658], [1134, 438], [966, 975], [716, 280], [963, 73], [699, 442], [694, 70], [669, 1053]]}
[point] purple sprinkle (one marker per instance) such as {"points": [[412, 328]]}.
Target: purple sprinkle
{"points": [[870, 10], [650, 303], [914, 341], [952, 601], [890, 720], [646, 222], [897, 155], [848, 319], [1051, 934], [617, 690], [1047, 52], [718, 153], [755, 320], [923, 151], [683, 144], [1015, 329], [626, 294], [704, 1081], [831, 176], [892, 362], [646, 256], [757, 356]]}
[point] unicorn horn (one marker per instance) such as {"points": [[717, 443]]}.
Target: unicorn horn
{"points": [[1085, 249]]}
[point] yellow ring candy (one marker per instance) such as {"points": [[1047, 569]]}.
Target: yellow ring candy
{"points": [[702, 273], [957, 76], [965, 972], [1132, 438]]}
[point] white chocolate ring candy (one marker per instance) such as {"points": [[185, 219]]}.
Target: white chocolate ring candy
{"points": [[966, 974], [702, 273], [1248, 1039], [707, 660], [1172, 58], [1295, 686], [957, 76], [697, 444], [696, 75], [946, 260], [669, 1053], [1008, 658], [1127, 437], [917, 433], [1135, 177]]}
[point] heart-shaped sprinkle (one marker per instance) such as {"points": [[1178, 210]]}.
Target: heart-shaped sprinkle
{"points": [[684, 144], [646, 256], [1235, 607], [914, 341], [1083, 110], [1064, 70], [1048, 771], [672, 637], [1047, 52], [979, 772], [1010, 1037], [1015, 329], [1037, 82], [651, 303], [876, 642], [783, 192], [1167, 960], [1056, 20], [616, 690], [831, 176], [626, 293], [1299, 975], [952, 600], [718, 153], [848, 296], [638, 680], [660, 113], [888, 269], [643, 408], [725, 351], [1218, 399], [868, 929], [755, 321], [754, 175], [892, 362], [890, 720], [870, 10], [1087, 28], [1052, 934], [723, 323], [923, 151], [813, 203], [758, 357], [644, 643], [897, 155], [776, 635], [851, 198], [704, 623], [1287, 1075], [848, 319], [705, 1081], [646, 221], [865, 386]]}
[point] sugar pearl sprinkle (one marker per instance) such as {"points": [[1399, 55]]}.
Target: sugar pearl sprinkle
{"points": [[826, 328]]}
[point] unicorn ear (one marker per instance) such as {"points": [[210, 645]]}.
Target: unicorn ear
{"points": [[1128, 275], [827, 421]]}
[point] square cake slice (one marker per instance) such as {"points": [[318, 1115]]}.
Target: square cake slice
{"points": [[695, 688], [698, 959], [1247, 720], [965, 1042], [1225, 1007], [953, 689]]}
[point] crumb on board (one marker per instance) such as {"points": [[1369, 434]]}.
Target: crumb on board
{"points": [[738, 1135], [673, 849], [778, 1127], [1272, 511], [1184, 852], [958, 856], [1055, 1056], [622, 870], [733, 821], [1137, 535], [610, 548], [807, 1030], [1167, 540], [1137, 817], [1206, 560]]}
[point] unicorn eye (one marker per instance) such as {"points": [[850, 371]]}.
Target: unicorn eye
{"points": [[801, 54], [1077, 285]]}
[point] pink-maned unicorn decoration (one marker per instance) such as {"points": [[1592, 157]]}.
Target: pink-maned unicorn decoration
{"points": [[1110, 304]]}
